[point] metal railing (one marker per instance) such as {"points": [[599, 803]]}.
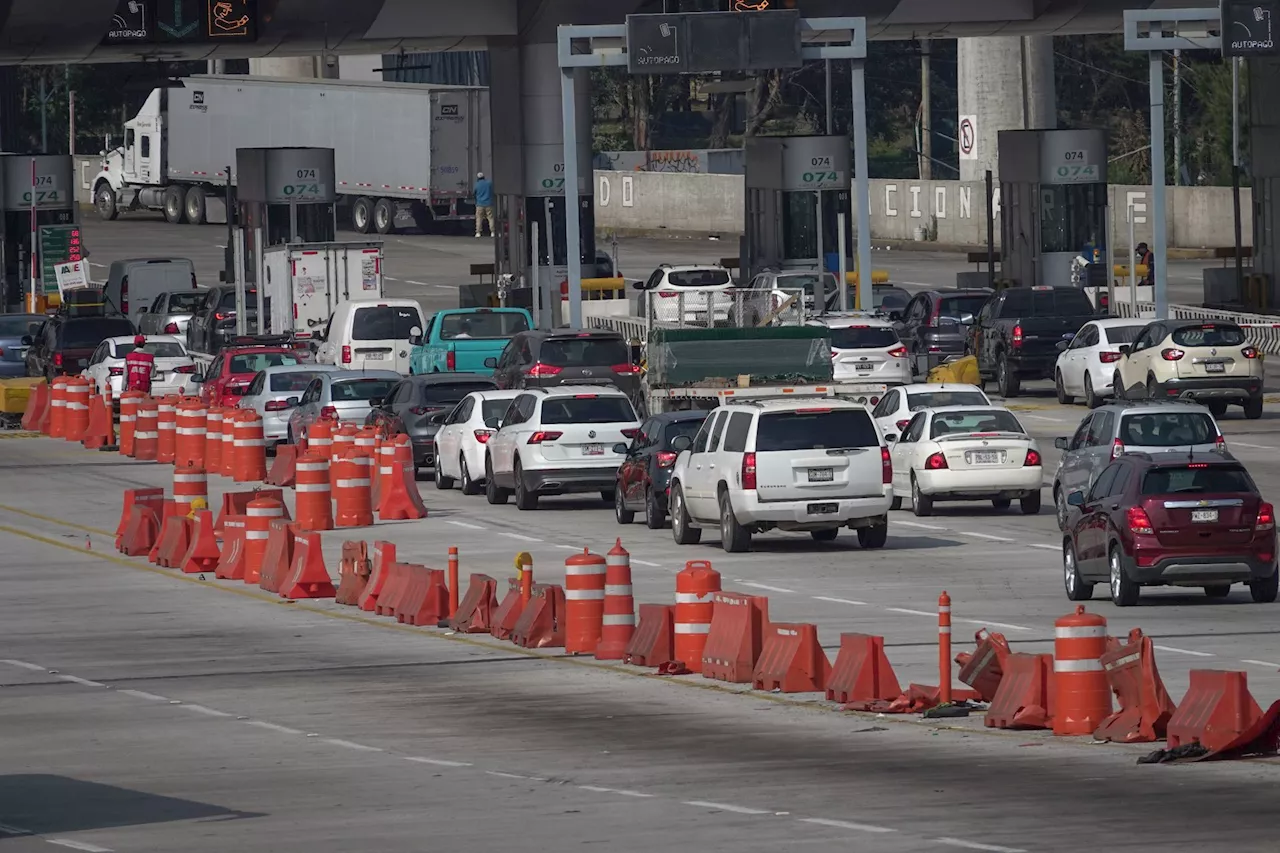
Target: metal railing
{"points": [[734, 307]]}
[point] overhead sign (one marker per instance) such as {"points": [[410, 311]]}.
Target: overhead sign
{"points": [[702, 42], [1074, 166], [967, 137], [168, 21], [1248, 28]]}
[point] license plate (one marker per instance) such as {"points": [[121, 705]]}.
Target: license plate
{"points": [[593, 450], [864, 365], [376, 356], [158, 377], [820, 475], [985, 457], [823, 509], [1215, 367], [1202, 516]]}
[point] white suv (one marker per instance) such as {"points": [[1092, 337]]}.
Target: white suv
{"points": [[808, 464], [865, 349], [556, 441], [690, 294]]}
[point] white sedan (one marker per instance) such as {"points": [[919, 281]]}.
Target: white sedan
{"points": [[865, 349], [170, 375], [460, 443], [895, 409], [966, 453], [1087, 362]]}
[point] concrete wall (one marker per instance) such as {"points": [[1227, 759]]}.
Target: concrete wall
{"points": [[947, 212]]}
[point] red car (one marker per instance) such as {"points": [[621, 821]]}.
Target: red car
{"points": [[1169, 519], [225, 381]]}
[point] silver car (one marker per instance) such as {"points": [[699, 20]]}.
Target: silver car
{"points": [[341, 395], [269, 394], [170, 313], [1136, 427]]}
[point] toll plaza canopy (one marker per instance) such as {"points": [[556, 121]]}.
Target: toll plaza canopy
{"points": [[38, 31]]}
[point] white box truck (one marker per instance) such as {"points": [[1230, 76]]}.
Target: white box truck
{"points": [[304, 282], [404, 153]]}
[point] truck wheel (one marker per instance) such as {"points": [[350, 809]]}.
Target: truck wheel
{"points": [[1006, 378], [362, 214], [195, 206], [384, 216], [104, 198], [174, 204]]}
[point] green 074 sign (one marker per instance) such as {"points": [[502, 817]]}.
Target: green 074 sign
{"points": [[302, 191]]}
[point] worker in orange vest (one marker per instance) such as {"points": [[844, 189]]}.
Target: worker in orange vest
{"points": [[138, 366]]}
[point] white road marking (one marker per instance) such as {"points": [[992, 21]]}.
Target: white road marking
{"points": [[646, 563], [466, 525], [567, 547], [840, 601], [208, 712], [14, 830], [346, 744], [1041, 417], [623, 792], [1252, 446], [83, 682], [78, 845], [918, 524], [142, 694], [519, 537], [440, 762], [419, 283], [1178, 651], [514, 776], [973, 845], [1261, 663], [985, 622], [844, 824], [909, 612], [723, 807], [766, 586], [1045, 547], [263, 724], [986, 536], [34, 667], [389, 278]]}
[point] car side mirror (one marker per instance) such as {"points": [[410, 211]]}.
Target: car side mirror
{"points": [[620, 447], [197, 378], [293, 402], [1124, 349], [1062, 345], [1062, 443], [27, 340], [375, 402], [681, 443], [143, 310], [1075, 499], [491, 362]]}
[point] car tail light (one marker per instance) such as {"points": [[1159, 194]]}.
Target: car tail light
{"points": [[542, 435], [934, 348], [124, 296], [1171, 354], [276, 406], [1017, 336], [1249, 352], [1108, 357], [1117, 449], [666, 458], [451, 360], [186, 368], [886, 466], [902, 424], [346, 355], [482, 435], [667, 294], [1220, 444], [171, 329], [115, 371], [625, 369], [898, 352], [1139, 522], [57, 359], [329, 413], [631, 433], [223, 315], [1033, 458], [541, 369], [749, 471], [1266, 518], [936, 462]]}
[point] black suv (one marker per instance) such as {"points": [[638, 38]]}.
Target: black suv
{"points": [[934, 324], [213, 323], [541, 359], [63, 345], [646, 470]]}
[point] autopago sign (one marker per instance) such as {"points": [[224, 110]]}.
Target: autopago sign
{"points": [[1249, 28]]}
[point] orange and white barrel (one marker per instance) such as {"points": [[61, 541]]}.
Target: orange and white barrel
{"points": [[619, 623], [583, 601], [192, 431], [190, 483], [58, 407], [129, 401], [259, 513], [695, 585], [250, 454], [344, 438], [228, 460], [1082, 695], [213, 439], [76, 408], [167, 422], [312, 492], [353, 490], [146, 437]]}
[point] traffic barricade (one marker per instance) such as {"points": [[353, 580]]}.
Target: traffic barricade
{"points": [[541, 622], [791, 660], [1145, 706], [508, 612], [694, 585], [153, 498], [1217, 709], [393, 590], [399, 499], [168, 509], [307, 576], [476, 610], [862, 672], [167, 425], [236, 503], [384, 555], [352, 496], [584, 601], [76, 406], [259, 513], [202, 554], [101, 433], [193, 421], [190, 485], [231, 564], [619, 605], [344, 439], [1025, 697], [653, 643], [426, 600], [229, 419], [284, 467], [129, 402], [213, 439], [249, 461], [384, 456], [146, 438], [37, 407], [312, 494], [983, 669], [320, 438], [278, 556], [58, 408], [353, 572], [141, 532], [175, 539], [1081, 694], [736, 637]]}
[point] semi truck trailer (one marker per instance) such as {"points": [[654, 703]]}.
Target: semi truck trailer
{"points": [[404, 154]]}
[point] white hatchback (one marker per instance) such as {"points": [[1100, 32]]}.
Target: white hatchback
{"points": [[865, 349], [171, 373], [896, 407], [966, 453], [464, 437], [691, 295], [1087, 362], [556, 441]]}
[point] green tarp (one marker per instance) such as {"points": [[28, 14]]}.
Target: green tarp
{"points": [[687, 357]]}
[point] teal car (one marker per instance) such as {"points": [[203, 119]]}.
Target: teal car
{"points": [[459, 340]]}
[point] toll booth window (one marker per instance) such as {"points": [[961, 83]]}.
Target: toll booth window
{"points": [[1073, 216], [800, 226]]}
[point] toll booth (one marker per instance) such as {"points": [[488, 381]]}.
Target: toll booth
{"points": [[1053, 207], [796, 189], [37, 190]]}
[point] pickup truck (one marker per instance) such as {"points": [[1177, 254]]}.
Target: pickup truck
{"points": [[1017, 332], [170, 312], [460, 340]]}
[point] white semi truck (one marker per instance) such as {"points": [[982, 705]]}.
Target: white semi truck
{"points": [[404, 153]]}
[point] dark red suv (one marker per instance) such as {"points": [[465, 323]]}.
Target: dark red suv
{"points": [[1170, 519]]}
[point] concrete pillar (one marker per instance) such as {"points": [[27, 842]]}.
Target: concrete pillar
{"points": [[1264, 165], [1006, 83], [283, 66]]}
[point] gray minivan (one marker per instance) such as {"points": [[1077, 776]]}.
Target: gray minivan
{"points": [[133, 285]]}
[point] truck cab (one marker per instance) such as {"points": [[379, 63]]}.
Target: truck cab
{"points": [[463, 339], [133, 175]]}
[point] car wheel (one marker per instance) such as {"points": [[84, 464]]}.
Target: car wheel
{"points": [[620, 511], [1030, 504], [362, 214], [875, 536], [1060, 507], [492, 493], [1077, 589], [174, 204], [1001, 503], [654, 516], [921, 504], [1217, 408], [825, 535], [1264, 590], [195, 206], [734, 538], [443, 483], [1253, 408], [1217, 590], [1091, 399], [1063, 397], [384, 216], [681, 531], [895, 502], [469, 486], [105, 201], [524, 498], [1124, 592], [1007, 381]]}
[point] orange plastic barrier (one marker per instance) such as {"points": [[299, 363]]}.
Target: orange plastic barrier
{"points": [[129, 402], [653, 643], [1216, 711], [175, 539], [584, 601], [477, 608], [277, 559], [77, 408], [307, 576], [983, 669], [283, 468], [384, 556], [398, 496], [259, 513], [393, 590], [541, 623], [203, 554], [101, 433], [249, 457], [237, 503], [213, 439], [351, 493], [736, 638], [189, 486], [1145, 706], [153, 498], [312, 493], [694, 585], [192, 422], [228, 456], [619, 605], [353, 572], [862, 672], [426, 598], [791, 660], [1025, 698], [142, 531], [1081, 692], [167, 425], [58, 408], [37, 407], [146, 437], [508, 612], [167, 509], [231, 565]]}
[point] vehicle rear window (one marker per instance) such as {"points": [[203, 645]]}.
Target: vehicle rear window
{"points": [[1176, 480], [1209, 335], [889, 298], [384, 323], [160, 349], [1121, 334], [980, 420], [228, 302], [17, 326], [482, 325], [698, 278], [253, 362], [816, 429], [863, 337], [1054, 302], [185, 303], [452, 393], [79, 334], [587, 409], [292, 381], [938, 399], [960, 309], [1167, 429], [577, 352], [350, 390]]}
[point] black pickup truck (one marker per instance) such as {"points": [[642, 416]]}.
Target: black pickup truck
{"points": [[1017, 332]]}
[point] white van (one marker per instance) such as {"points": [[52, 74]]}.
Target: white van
{"points": [[371, 334], [133, 285]]}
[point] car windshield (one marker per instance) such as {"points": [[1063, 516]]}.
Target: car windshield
{"points": [[18, 325], [360, 390], [698, 278], [252, 362], [451, 393], [185, 303], [815, 429], [1196, 478], [1167, 429], [978, 420], [587, 409], [574, 352], [79, 334], [483, 324], [384, 323], [862, 337], [160, 349], [294, 380], [1209, 335], [228, 302], [954, 310], [1122, 334]]}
